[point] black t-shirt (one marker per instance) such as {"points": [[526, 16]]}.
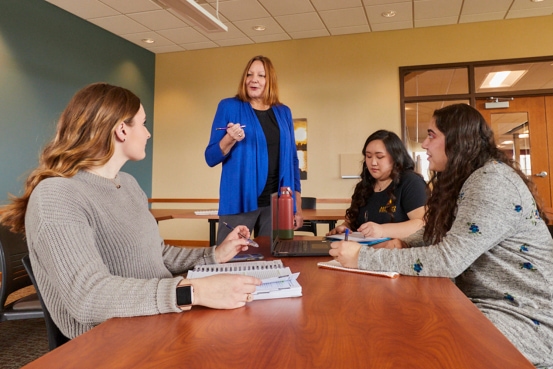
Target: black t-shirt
{"points": [[410, 195], [272, 135]]}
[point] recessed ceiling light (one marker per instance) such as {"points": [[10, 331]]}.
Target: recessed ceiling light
{"points": [[536, 1], [148, 40], [502, 79], [259, 28], [389, 14]]}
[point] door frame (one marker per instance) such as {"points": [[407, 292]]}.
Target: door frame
{"points": [[535, 107]]}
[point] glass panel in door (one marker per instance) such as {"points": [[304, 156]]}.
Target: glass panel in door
{"points": [[512, 136], [520, 128]]}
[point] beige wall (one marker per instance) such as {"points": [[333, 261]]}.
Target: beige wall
{"points": [[346, 86]]}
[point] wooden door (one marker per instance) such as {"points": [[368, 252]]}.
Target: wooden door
{"points": [[525, 121]]}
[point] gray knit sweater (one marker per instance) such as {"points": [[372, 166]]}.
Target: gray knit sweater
{"points": [[501, 254], [97, 254]]}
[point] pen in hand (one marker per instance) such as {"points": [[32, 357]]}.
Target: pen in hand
{"points": [[250, 241], [346, 234], [225, 128]]}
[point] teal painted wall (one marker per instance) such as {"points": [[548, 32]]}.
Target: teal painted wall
{"points": [[46, 55]]}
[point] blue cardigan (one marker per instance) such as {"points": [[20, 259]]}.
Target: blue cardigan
{"points": [[245, 167]]}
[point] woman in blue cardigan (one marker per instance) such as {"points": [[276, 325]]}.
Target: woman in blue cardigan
{"points": [[253, 137]]}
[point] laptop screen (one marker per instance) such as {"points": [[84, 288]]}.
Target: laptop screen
{"points": [[274, 220]]}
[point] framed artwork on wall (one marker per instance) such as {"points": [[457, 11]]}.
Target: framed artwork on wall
{"points": [[300, 132]]}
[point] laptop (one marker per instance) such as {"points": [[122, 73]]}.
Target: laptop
{"points": [[293, 247]]}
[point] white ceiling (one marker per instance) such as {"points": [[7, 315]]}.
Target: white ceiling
{"points": [[136, 20]]}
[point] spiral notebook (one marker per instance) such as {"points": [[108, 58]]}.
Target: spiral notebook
{"points": [[278, 280]]}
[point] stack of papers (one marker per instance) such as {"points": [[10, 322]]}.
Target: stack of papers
{"points": [[278, 280]]}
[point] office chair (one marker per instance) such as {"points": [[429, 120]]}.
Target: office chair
{"points": [[308, 225], [55, 337], [14, 277]]}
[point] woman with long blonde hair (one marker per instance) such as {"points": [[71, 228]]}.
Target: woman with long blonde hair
{"points": [[94, 245]]}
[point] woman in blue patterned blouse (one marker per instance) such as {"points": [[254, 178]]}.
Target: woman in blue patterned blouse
{"points": [[485, 227]]}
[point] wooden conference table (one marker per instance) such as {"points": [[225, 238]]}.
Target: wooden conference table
{"points": [[343, 320], [330, 216]]}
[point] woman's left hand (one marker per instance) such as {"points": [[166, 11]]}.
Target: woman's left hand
{"points": [[371, 229], [232, 245], [395, 243], [298, 220], [346, 253]]}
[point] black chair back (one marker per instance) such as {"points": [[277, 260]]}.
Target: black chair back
{"points": [[309, 225], [55, 337], [14, 277]]}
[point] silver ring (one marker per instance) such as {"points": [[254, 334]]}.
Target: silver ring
{"points": [[249, 297]]}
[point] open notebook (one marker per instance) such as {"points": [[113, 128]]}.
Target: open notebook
{"points": [[278, 280], [293, 247]]}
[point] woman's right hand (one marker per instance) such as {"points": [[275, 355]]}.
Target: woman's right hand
{"points": [[224, 291], [232, 244], [338, 230], [234, 134], [346, 253], [235, 131]]}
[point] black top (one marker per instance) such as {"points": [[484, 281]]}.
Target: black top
{"points": [[410, 195], [270, 127]]}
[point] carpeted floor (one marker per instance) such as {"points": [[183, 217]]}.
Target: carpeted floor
{"points": [[21, 341]]}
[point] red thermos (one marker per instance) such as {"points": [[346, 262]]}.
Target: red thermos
{"points": [[286, 214]]}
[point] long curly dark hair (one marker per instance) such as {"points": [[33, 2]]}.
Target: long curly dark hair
{"points": [[365, 188], [469, 144]]}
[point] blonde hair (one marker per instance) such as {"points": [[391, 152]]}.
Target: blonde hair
{"points": [[84, 139], [270, 94]]}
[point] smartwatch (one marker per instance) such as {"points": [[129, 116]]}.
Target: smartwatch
{"points": [[185, 296]]}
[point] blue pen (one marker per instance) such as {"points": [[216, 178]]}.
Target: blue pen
{"points": [[346, 235], [250, 241], [225, 128]]}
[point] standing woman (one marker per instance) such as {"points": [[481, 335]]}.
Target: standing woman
{"points": [[485, 227], [389, 199], [94, 245], [253, 137]]}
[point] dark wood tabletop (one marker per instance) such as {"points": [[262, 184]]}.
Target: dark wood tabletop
{"points": [[343, 320]]}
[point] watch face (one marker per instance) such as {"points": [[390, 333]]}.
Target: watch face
{"points": [[184, 295]]}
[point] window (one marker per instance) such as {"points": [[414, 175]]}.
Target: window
{"points": [[429, 87]]}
